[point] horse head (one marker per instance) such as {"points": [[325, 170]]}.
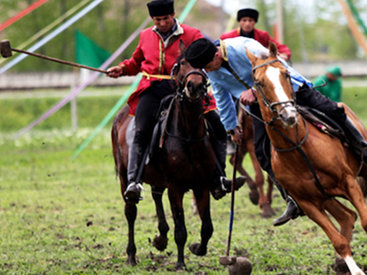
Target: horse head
{"points": [[191, 82], [273, 85]]}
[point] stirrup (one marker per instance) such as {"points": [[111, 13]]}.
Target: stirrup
{"points": [[133, 192], [226, 184]]}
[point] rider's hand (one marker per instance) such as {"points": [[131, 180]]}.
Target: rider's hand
{"points": [[115, 71], [237, 135], [247, 97]]}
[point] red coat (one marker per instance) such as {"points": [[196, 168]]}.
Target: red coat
{"points": [[263, 37], [154, 57]]}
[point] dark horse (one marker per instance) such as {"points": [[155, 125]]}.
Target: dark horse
{"points": [[185, 161], [313, 167]]}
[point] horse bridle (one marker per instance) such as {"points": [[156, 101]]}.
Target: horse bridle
{"points": [[271, 105], [296, 146]]}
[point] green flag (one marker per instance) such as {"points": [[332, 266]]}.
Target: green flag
{"points": [[87, 52]]}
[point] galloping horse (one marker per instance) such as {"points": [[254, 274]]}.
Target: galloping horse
{"points": [[257, 195], [335, 167], [185, 161]]}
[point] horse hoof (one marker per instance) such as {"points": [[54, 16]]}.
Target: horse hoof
{"points": [[340, 267], [267, 211], [160, 243], [131, 261], [197, 249], [180, 266], [254, 196]]}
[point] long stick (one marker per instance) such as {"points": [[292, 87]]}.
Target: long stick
{"points": [[232, 202], [59, 60]]}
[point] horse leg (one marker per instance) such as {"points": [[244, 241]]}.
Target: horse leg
{"points": [[130, 214], [340, 242], [264, 202], [203, 204], [355, 196], [343, 215], [160, 241], [242, 150], [175, 198], [346, 219]]}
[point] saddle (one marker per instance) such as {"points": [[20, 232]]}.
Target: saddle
{"points": [[157, 138], [323, 123]]}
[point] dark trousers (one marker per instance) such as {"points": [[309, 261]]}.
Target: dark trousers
{"points": [[146, 111]]}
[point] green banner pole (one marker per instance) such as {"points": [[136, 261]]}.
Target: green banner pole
{"points": [[357, 17], [124, 98]]}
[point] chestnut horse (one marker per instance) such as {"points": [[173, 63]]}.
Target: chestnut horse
{"points": [[335, 166], [185, 161], [257, 195]]}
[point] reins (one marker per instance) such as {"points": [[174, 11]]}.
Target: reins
{"points": [[270, 124]]}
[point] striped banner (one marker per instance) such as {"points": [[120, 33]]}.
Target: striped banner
{"points": [[22, 14], [50, 36]]}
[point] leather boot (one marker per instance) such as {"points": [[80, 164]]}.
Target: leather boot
{"points": [[358, 142], [133, 190], [222, 185], [291, 212]]}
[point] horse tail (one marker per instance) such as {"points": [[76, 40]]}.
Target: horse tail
{"points": [[115, 145]]}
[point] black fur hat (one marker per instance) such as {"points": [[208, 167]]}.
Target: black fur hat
{"points": [[200, 53], [247, 13], [160, 7]]}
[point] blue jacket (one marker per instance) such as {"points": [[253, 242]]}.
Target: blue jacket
{"points": [[224, 83]]}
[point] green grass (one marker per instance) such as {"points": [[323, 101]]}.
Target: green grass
{"points": [[63, 216]]}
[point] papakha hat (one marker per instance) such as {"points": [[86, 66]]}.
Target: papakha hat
{"points": [[200, 53], [334, 70], [160, 7], [247, 13]]}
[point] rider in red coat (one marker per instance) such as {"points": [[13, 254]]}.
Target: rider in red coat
{"points": [[247, 19], [155, 56]]}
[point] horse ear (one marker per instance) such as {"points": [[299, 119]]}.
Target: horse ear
{"points": [[182, 46], [273, 49], [251, 57]]}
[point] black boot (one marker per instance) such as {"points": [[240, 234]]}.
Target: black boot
{"points": [[221, 185], [133, 190], [358, 142], [291, 212]]}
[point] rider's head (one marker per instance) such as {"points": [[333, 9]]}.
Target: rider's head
{"points": [[203, 54], [163, 14], [247, 19], [333, 73]]}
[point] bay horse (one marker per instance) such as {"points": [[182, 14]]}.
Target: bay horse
{"points": [[335, 166], [257, 194], [186, 161]]}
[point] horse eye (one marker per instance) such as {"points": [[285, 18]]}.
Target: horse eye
{"points": [[182, 62]]}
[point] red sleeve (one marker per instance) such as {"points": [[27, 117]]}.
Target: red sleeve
{"points": [[264, 38], [132, 65], [231, 34]]}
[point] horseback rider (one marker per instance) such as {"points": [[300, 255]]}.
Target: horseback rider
{"points": [[247, 19], [230, 74], [155, 56]]}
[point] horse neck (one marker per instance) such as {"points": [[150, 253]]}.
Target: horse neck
{"points": [[276, 130], [188, 119]]}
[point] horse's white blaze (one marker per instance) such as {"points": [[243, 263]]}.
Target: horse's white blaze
{"points": [[353, 268], [273, 75]]}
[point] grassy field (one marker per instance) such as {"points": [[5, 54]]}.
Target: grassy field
{"points": [[63, 216]]}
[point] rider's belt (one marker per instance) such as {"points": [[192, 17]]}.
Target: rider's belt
{"points": [[159, 76]]}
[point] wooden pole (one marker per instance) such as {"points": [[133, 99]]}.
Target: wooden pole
{"points": [[280, 21], [353, 26]]}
